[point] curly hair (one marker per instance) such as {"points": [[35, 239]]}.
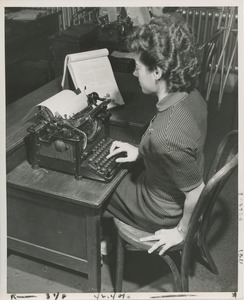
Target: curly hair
{"points": [[170, 45]]}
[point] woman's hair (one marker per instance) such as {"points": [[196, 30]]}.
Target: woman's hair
{"points": [[170, 45]]}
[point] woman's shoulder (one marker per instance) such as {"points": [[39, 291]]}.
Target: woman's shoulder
{"points": [[193, 107], [196, 94], [187, 121]]}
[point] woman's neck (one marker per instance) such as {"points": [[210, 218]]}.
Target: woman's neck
{"points": [[162, 90]]}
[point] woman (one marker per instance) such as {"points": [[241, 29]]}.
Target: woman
{"points": [[161, 198]]}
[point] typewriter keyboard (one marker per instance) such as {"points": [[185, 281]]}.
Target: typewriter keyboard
{"points": [[97, 166]]}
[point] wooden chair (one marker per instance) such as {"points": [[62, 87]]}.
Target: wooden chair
{"points": [[224, 163]]}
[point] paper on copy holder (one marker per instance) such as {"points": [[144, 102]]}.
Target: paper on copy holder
{"points": [[91, 71]]}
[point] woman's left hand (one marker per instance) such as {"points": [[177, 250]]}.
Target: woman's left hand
{"points": [[166, 238]]}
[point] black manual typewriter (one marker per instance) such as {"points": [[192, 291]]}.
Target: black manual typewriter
{"points": [[77, 145]]}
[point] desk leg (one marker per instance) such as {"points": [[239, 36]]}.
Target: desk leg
{"points": [[93, 250]]}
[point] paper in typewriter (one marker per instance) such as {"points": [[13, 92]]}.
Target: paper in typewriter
{"points": [[65, 103], [91, 71]]}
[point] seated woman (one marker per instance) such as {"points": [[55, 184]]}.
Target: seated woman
{"points": [[161, 198]]}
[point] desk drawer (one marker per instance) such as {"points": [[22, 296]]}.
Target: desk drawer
{"points": [[47, 228]]}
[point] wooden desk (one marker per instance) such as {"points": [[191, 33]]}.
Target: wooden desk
{"points": [[54, 217], [50, 215]]}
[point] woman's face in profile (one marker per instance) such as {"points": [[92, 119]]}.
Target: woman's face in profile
{"points": [[146, 78]]}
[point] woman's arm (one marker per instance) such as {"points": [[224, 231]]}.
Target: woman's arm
{"points": [[168, 238], [190, 202]]}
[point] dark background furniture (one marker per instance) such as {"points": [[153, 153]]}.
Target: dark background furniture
{"points": [[26, 50], [78, 39], [85, 37]]}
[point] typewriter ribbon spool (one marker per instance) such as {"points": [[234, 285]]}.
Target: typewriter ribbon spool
{"points": [[60, 146]]}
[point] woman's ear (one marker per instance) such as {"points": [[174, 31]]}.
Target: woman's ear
{"points": [[157, 73]]}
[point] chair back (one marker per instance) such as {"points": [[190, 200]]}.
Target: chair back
{"points": [[224, 163], [208, 51]]}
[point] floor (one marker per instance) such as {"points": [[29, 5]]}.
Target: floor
{"points": [[147, 273]]}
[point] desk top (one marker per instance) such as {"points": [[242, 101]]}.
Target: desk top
{"points": [[62, 186]]}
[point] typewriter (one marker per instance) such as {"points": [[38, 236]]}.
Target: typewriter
{"points": [[77, 145]]}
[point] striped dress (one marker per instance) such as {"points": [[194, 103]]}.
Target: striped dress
{"points": [[151, 197]]}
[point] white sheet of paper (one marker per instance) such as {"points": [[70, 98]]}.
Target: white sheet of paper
{"points": [[65, 103]]}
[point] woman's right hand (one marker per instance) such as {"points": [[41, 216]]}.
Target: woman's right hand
{"points": [[131, 151]]}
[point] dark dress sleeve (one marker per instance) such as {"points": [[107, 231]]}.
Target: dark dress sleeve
{"points": [[182, 152], [183, 169]]}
